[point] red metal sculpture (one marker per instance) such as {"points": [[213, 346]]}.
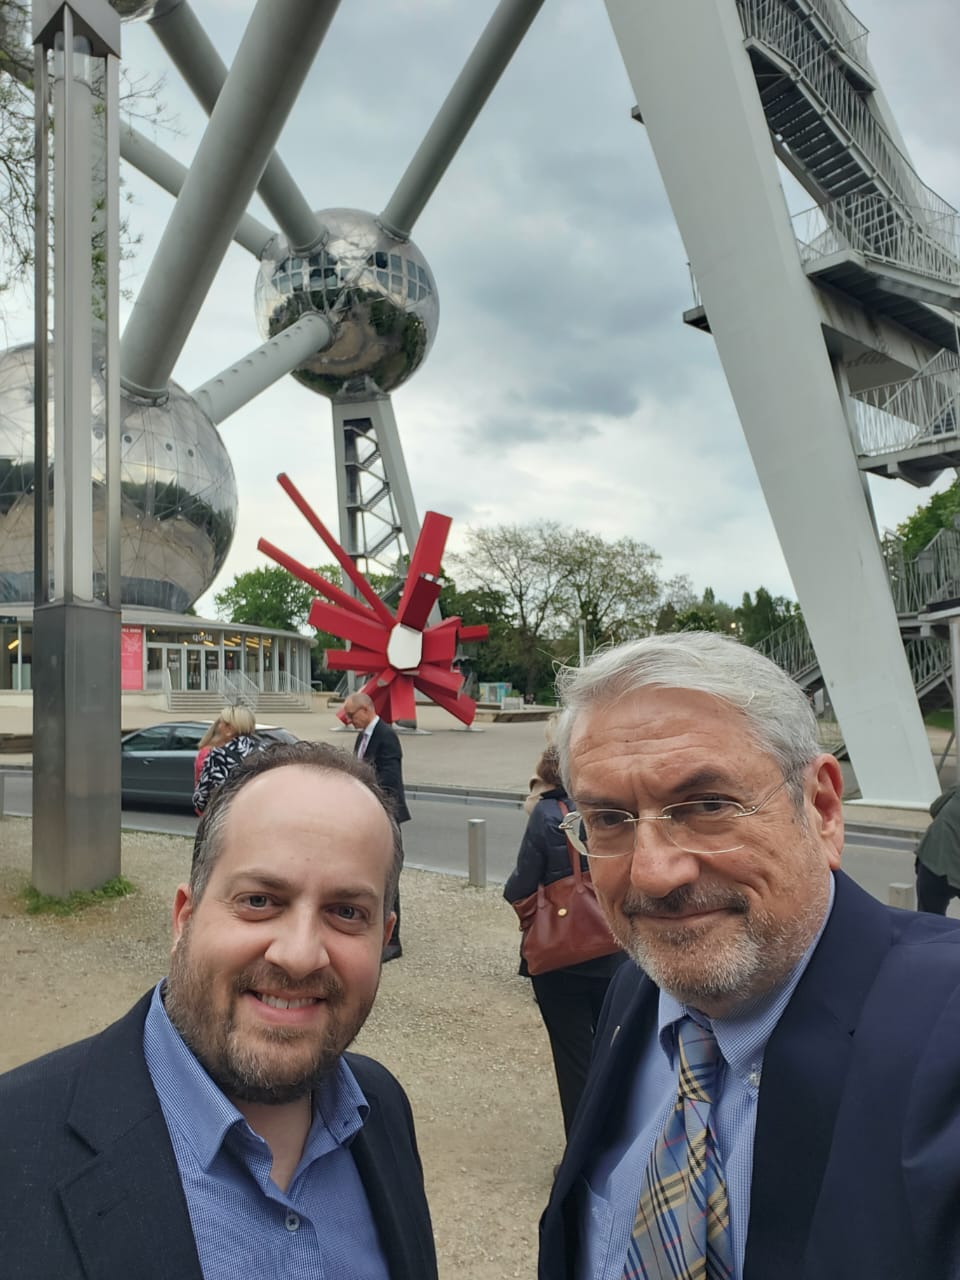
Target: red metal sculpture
{"points": [[398, 650]]}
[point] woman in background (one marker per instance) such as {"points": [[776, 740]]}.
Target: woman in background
{"points": [[238, 739], [569, 998], [214, 737]]}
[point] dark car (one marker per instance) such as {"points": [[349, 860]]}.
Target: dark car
{"points": [[157, 763]]}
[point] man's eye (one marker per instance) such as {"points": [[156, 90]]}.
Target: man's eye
{"points": [[606, 819], [348, 912], [256, 900], [707, 807]]}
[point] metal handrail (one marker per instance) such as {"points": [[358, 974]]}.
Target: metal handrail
{"points": [[883, 231], [236, 688], [932, 574], [771, 22], [850, 31], [790, 647]]}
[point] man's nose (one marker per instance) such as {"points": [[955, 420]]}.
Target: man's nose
{"points": [[657, 865], [298, 946]]}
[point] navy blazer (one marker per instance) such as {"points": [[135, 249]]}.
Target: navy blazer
{"points": [[90, 1184], [384, 753], [856, 1162]]}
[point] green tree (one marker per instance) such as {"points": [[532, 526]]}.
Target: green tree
{"points": [[140, 99], [762, 613], [941, 512], [613, 587], [524, 564], [266, 597]]}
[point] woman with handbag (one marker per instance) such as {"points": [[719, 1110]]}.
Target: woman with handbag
{"points": [[561, 921]]}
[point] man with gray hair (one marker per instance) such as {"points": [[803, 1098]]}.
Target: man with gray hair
{"points": [[775, 1090], [220, 1129]]}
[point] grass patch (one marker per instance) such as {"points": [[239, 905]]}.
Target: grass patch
{"points": [[38, 903], [942, 719]]}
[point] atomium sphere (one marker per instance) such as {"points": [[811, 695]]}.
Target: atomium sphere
{"points": [[135, 10], [377, 291], [178, 493]]}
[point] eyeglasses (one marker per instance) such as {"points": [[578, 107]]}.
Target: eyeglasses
{"points": [[707, 826]]}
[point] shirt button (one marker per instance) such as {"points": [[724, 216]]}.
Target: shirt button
{"points": [[291, 1222]]}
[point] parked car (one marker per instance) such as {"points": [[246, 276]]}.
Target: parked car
{"points": [[157, 762]]}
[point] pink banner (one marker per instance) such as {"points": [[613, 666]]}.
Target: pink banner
{"points": [[131, 657]]}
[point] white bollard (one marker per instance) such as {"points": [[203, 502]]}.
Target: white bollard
{"points": [[477, 853], [901, 895]]}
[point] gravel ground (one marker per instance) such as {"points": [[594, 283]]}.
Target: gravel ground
{"points": [[453, 1022]]}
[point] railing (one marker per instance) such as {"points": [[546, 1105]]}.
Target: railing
{"points": [[236, 688], [933, 574], [790, 647], [885, 232], [850, 32], [924, 409], [775, 25], [285, 682], [929, 660]]}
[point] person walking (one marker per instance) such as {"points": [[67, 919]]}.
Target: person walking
{"points": [[238, 740], [570, 999], [377, 743], [938, 856]]}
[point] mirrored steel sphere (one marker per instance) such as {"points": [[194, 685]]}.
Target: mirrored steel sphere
{"points": [[178, 493], [134, 10], [377, 292]]}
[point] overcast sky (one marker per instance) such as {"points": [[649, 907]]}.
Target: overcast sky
{"points": [[563, 383]]}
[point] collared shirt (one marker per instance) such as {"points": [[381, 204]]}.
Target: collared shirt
{"points": [[365, 737], [611, 1189], [244, 1225]]}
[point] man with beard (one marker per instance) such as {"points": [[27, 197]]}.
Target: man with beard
{"points": [[774, 1090], [220, 1129]]}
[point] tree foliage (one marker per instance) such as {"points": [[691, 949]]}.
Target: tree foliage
{"points": [[941, 512], [266, 597], [762, 613], [140, 98]]}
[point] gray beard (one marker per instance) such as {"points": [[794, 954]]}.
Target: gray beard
{"points": [[760, 956]]}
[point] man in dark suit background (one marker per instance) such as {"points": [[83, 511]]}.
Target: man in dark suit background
{"points": [[378, 744], [774, 1090], [219, 1129]]}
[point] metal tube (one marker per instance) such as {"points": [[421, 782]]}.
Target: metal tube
{"points": [[272, 62], [111, 404], [230, 390], [41, 371], [477, 853], [493, 51], [169, 174], [181, 34]]}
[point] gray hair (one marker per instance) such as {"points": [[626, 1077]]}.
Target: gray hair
{"points": [[209, 842], [779, 717]]}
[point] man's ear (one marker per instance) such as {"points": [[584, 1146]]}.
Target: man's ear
{"points": [[825, 794], [182, 911], [389, 922]]}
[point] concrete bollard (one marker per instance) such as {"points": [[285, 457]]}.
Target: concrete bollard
{"points": [[477, 853], [901, 895]]}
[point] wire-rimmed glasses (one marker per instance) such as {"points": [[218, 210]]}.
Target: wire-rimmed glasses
{"points": [[707, 826]]}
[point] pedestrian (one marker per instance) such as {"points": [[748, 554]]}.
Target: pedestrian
{"points": [[220, 1128], [569, 999], [938, 856], [215, 736], [785, 1050], [237, 740], [378, 744]]}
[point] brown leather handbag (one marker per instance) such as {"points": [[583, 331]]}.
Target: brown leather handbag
{"points": [[563, 923]]}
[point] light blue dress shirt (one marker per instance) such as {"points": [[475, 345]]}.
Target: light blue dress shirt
{"points": [[321, 1228], [611, 1189]]}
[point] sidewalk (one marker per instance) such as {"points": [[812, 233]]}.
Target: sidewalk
{"points": [[489, 758]]}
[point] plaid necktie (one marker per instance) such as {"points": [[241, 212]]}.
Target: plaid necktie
{"points": [[682, 1227]]}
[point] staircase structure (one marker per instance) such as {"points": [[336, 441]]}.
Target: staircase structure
{"points": [[837, 327]]}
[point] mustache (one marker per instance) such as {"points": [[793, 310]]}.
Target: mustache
{"points": [[683, 900], [318, 986]]}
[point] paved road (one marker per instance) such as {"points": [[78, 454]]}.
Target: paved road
{"points": [[437, 837]]}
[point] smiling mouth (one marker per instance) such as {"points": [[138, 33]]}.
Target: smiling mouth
{"points": [[275, 1002]]}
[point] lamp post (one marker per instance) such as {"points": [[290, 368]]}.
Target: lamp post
{"points": [[76, 627]]}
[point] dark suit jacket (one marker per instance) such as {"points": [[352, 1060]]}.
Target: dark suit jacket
{"points": [[856, 1164], [383, 752], [90, 1185]]}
